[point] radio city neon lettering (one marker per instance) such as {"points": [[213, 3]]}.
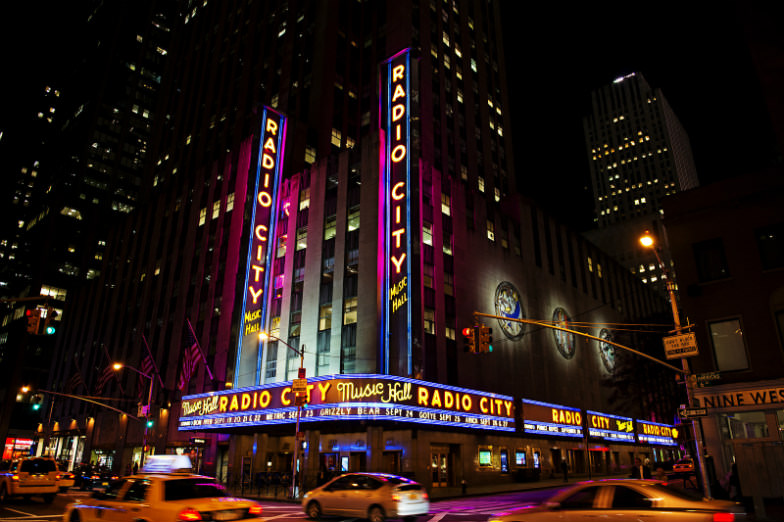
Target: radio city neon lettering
{"points": [[567, 417], [602, 423], [659, 431]]}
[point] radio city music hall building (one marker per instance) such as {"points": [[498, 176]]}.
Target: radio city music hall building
{"points": [[367, 252]]}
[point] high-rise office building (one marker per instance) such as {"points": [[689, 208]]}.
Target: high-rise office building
{"points": [[638, 153], [338, 177]]}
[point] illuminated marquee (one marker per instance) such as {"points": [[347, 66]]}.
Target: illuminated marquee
{"points": [[541, 418], [654, 433], [262, 234], [611, 428], [350, 397], [396, 164]]}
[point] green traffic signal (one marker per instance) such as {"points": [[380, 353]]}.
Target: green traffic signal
{"points": [[50, 330], [150, 423]]}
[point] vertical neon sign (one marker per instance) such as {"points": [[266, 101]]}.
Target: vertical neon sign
{"points": [[396, 129], [257, 273]]}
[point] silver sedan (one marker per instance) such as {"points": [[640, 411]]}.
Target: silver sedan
{"points": [[626, 500]]}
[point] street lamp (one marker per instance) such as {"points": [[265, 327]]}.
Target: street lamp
{"points": [[147, 422], [301, 375], [648, 241]]}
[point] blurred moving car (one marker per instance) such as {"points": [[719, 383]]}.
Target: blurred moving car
{"points": [[65, 479], [683, 466], [165, 489], [374, 496], [626, 499], [29, 476]]}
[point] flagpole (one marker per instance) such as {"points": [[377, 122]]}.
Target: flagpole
{"points": [[152, 359], [203, 357]]}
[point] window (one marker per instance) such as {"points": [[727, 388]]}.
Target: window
{"points": [[350, 311], [446, 204], [330, 227], [427, 233], [582, 499], [449, 287], [770, 241], [202, 216], [728, 346], [304, 198], [744, 425], [430, 321], [353, 219], [336, 137], [282, 240], [325, 317], [215, 210], [490, 230], [427, 276], [302, 238], [626, 498], [710, 260]]}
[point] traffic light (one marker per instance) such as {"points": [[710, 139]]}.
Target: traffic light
{"points": [[150, 422], [49, 327], [36, 401], [33, 320], [485, 339], [469, 339]]}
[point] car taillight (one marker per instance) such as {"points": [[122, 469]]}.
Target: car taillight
{"points": [[424, 495], [254, 510], [57, 477], [189, 514], [723, 517], [395, 497], [15, 478]]}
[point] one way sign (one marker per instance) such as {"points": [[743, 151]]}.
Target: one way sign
{"points": [[692, 413]]}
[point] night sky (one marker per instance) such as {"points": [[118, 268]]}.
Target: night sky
{"points": [[697, 57], [555, 57]]}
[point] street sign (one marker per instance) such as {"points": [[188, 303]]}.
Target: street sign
{"points": [[706, 379], [692, 413], [677, 346], [299, 385]]}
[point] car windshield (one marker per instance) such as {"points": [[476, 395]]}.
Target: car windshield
{"points": [[37, 466], [181, 489]]}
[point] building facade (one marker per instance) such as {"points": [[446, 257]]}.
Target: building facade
{"points": [[337, 176], [726, 239], [638, 152]]}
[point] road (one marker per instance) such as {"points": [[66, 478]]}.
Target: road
{"points": [[467, 509]]}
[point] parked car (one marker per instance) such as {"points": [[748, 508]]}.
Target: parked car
{"points": [[626, 499], [683, 466], [65, 479], [29, 476], [375, 496], [163, 492]]}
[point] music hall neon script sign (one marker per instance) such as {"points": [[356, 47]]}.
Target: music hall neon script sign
{"points": [[262, 233]]}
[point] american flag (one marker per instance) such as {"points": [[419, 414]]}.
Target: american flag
{"points": [[74, 382], [148, 366], [191, 359], [107, 374]]}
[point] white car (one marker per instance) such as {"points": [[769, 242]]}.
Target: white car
{"points": [[153, 496], [374, 496], [627, 499]]}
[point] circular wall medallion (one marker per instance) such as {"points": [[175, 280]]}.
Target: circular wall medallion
{"points": [[507, 304], [564, 341], [607, 351]]}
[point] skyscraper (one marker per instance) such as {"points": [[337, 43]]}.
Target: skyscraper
{"points": [[638, 153], [338, 176]]}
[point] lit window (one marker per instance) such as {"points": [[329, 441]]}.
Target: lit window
{"points": [[310, 155], [449, 284], [480, 182], [447, 248], [460, 96], [230, 202], [350, 143], [202, 216], [445, 38], [304, 198], [430, 321], [427, 233], [330, 228], [350, 311], [353, 219], [215, 210], [497, 194], [450, 333], [590, 264], [325, 317], [336, 137], [282, 240], [490, 230], [302, 238], [446, 203], [71, 212], [473, 64]]}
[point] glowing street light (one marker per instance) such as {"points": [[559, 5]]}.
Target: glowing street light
{"points": [[117, 366], [647, 240]]}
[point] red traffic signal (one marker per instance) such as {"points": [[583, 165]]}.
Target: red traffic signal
{"points": [[469, 339]]}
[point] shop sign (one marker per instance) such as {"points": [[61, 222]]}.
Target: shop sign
{"points": [[655, 433], [541, 418], [611, 428], [350, 397], [772, 396]]}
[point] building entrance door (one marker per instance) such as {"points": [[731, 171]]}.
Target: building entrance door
{"points": [[439, 466]]}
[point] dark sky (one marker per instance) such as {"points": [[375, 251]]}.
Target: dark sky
{"points": [[695, 52]]}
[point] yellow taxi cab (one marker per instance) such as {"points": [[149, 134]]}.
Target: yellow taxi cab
{"points": [[165, 489]]}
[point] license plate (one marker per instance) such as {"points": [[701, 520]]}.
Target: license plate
{"points": [[413, 496], [231, 514]]}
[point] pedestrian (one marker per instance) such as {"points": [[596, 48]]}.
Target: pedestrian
{"points": [[640, 471], [135, 467], [565, 469]]}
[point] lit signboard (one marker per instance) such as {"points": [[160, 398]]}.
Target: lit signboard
{"points": [[611, 428], [395, 126], [541, 418], [260, 248], [350, 397], [654, 433]]}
